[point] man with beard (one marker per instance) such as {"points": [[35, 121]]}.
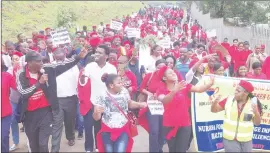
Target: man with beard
{"points": [[39, 97], [94, 71], [183, 63]]}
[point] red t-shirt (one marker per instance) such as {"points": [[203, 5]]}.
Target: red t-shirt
{"points": [[38, 99], [253, 76], [154, 83], [129, 80], [176, 112], [7, 82]]}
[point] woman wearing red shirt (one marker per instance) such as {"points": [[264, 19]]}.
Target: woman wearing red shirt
{"points": [[176, 120], [241, 55], [257, 72], [7, 83], [152, 123], [171, 61]]}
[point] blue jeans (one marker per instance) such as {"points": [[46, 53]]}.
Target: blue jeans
{"points": [[79, 120], [119, 145], [156, 134], [88, 124], [14, 125], [5, 126]]}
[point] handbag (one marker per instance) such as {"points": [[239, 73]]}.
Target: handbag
{"points": [[130, 117], [143, 97]]}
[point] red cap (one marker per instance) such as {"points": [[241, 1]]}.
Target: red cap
{"points": [[94, 42], [263, 46], [47, 28], [17, 53], [247, 86], [107, 25], [193, 62], [127, 43], [162, 71]]}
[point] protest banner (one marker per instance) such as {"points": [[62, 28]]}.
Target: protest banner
{"points": [[155, 106], [165, 43], [116, 25], [133, 32], [60, 36], [211, 33], [207, 126]]}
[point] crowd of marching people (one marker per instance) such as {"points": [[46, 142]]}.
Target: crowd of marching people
{"points": [[95, 83]]}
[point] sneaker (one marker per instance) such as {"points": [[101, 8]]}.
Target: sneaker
{"points": [[80, 136], [71, 142], [13, 148]]}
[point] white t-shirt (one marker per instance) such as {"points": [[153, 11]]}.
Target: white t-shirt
{"points": [[112, 117], [67, 82], [94, 72]]}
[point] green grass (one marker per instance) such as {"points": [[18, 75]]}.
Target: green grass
{"points": [[29, 16]]}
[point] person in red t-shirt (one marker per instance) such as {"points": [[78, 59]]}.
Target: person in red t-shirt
{"points": [[7, 83], [225, 44], [265, 67], [241, 55], [256, 72], [242, 102], [171, 62], [176, 120]]}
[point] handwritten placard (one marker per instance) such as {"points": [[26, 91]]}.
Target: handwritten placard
{"points": [[116, 25], [156, 107], [60, 36]]}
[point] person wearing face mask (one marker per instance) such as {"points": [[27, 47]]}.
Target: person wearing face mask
{"points": [[183, 62], [242, 112], [111, 108], [241, 72], [256, 72], [155, 55], [152, 123]]}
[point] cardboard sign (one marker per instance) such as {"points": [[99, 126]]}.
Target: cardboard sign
{"points": [[165, 43], [156, 107], [133, 32], [116, 25], [211, 33], [60, 36]]}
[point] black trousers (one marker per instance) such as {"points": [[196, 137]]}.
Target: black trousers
{"points": [[38, 128], [180, 142], [97, 127]]}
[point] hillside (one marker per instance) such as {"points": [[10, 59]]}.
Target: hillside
{"points": [[28, 16]]}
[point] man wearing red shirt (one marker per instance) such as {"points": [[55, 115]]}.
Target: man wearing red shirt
{"points": [[6, 113], [40, 97]]}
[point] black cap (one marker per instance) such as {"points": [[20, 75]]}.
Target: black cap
{"points": [[32, 56]]}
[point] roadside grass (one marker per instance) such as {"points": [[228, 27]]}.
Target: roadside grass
{"points": [[28, 16]]}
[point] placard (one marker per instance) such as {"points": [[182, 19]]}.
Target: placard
{"points": [[133, 32], [116, 25], [211, 33], [165, 43], [208, 126], [60, 36], [156, 107]]}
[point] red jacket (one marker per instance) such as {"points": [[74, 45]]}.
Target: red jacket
{"points": [[84, 94], [7, 82], [115, 133]]}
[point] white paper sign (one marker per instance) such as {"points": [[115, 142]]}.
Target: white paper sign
{"points": [[133, 32], [156, 107], [116, 25], [211, 33], [165, 43], [60, 36]]}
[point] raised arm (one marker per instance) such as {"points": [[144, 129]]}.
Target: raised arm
{"points": [[203, 88]]}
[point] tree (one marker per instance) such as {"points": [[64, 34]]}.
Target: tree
{"points": [[66, 18], [248, 11]]}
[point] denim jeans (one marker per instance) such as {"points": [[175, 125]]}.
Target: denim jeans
{"points": [[14, 125], [156, 134], [79, 120], [88, 125], [5, 126], [119, 145]]}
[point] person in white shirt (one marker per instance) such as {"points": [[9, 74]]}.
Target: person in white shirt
{"points": [[155, 55], [67, 97], [94, 71]]}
